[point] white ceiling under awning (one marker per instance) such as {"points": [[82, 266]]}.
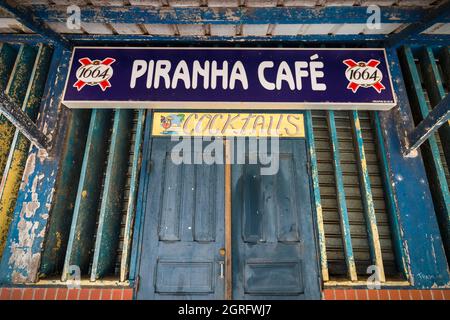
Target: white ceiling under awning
{"points": [[9, 24]]}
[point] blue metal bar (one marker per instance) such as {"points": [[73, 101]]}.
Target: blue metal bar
{"points": [[428, 40], [29, 20], [343, 213], [435, 119], [433, 81], [426, 263], [429, 150], [434, 85], [436, 15], [238, 15], [22, 121], [142, 38], [143, 193], [400, 254], [367, 199], [370, 40], [55, 84], [131, 206], [86, 207], [317, 200], [108, 230], [435, 88], [57, 234], [19, 38]]}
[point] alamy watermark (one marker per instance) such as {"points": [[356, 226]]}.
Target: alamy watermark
{"points": [[73, 21], [263, 151], [374, 20], [73, 277], [373, 281]]}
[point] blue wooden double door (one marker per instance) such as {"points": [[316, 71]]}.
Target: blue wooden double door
{"points": [[273, 248]]}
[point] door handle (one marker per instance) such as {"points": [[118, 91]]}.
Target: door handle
{"points": [[222, 269]]}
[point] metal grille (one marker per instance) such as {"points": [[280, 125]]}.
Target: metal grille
{"points": [[351, 197], [23, 74], [91, 220], [427, 76]]}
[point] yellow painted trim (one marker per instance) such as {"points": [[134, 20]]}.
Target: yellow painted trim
{"points": [[344, 283], [11, 184]]}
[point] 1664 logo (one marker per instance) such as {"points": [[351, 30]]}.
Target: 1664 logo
{"points": [[363, 74], [94, 72]]}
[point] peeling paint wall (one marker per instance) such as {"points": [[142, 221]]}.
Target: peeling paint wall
{"points": [[426, 257], [20, 262]]}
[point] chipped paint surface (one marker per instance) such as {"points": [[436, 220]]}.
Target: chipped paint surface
{"points": [[28, 230], [436, 119], [20, 262], [10, 187], [110, 216], [430, 150], [255, 15], [25, 86], [88, 193], [342, 205], [317, 199], [33, 201], [426, 260], [369, 208], [13, 148], [132, 200], [61, 212], [400, 244]]}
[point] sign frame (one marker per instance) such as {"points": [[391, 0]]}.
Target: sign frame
{"points": [[228, 124], [230, 105]]}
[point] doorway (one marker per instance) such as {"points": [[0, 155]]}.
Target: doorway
{"points": [[184, 250], [274, 255]]}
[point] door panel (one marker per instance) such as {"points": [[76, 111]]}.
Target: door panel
{"points": [[183, 229], [274, 254], [263, 277]]}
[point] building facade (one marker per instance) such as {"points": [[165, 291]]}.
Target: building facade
{"points": [[93, 207]]}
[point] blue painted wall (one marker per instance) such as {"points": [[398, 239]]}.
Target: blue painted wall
{"points": [[425, 258]]}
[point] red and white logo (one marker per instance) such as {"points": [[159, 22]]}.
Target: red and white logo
{"points": [[363, 74], [94, 72]]}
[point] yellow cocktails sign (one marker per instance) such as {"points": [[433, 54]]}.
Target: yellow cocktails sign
{"points": [[228, 124]]}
